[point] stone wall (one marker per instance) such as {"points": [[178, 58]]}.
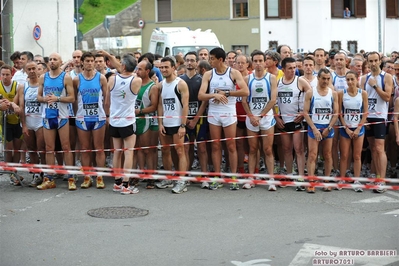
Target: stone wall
{"points": [[124, 24]]}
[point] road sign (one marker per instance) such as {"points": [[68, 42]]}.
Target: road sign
{"points": [[78, 18], [106, 23], [79, 35], [37, 32], [141, 23]]}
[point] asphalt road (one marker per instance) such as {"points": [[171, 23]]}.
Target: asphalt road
{"points": [[199, 227]]}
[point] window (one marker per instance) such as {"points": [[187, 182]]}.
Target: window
{"points": [[159, 48], [278, 8], [273, 45], [357, 8], [392, 8], [164, 10], [240, 8], [352, 47], [336, 45]]}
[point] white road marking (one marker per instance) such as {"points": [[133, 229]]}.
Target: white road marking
{"points": [[378, 199], [258, 262]]}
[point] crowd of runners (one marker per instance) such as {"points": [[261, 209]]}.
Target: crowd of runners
{"points": [[329, 113]]}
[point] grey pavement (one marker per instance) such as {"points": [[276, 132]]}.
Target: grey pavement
{"points": [[199, 227]]}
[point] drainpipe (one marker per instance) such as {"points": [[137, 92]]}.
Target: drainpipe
{"points": [[6, 30], [379, 28], [297, 25], [58, 27]]}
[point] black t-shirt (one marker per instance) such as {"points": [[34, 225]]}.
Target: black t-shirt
{"points": [[194, 85]]}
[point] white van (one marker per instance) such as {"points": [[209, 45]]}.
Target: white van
{"points": [[173, 40]]}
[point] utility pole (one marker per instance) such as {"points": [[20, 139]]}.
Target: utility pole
{"points": [[6, 30]]}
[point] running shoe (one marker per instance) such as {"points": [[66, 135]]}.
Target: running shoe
{"points": [[380, 190], [129, 190], [195, 164], [340, 182], [108, 162], [248, 185], [348, 173], [327, 188], [164, 184], [234, 186], [37, 180], [357, 189], [300, 188], [150, 184], [392, 173], [134, 182], [310, 189], [334, 173], [46, 184], [71, 183], [78, 163], [180, 187], [100, 182], [215, 185], [15, 180], [117, 188], [87, 182], [272, 187], [262, 166], [282, 172], [205, 185]]}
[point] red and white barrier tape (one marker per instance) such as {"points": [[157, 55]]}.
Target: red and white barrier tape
{"points": [[225, 177], [233, 115], [187, 143]]}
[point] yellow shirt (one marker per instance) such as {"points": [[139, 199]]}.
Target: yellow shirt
{"points": [[11, 117]]}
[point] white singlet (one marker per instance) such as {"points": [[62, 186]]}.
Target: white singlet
{"points": [[33, 108], [321, 107], [352, 108], [225, 83], [289, 100], [122, 102], [378, 108], [171, 102]]}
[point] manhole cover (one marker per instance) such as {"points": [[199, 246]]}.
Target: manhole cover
{"points": [[117, 212]]}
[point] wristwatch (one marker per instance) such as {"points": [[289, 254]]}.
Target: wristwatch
{"points": [[227, 93], [375, 87], [58, 99], [329, 128], [183, 126]]}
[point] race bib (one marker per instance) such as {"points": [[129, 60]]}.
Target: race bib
{"points": [[192, 108], [91, 112], [285, 97], [169, 104], [372, 103], [323, 114], [137, 104], [352, 115], [32, 107], [258, 103]]}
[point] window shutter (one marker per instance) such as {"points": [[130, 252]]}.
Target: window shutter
{"points": [[360, 9], [285, 8], [164, 10], [337, 8], [392, 8]]}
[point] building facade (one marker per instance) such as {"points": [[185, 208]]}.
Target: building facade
{"points": [[373, 25], [55, 19], [235, 22], [303, 24]]}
